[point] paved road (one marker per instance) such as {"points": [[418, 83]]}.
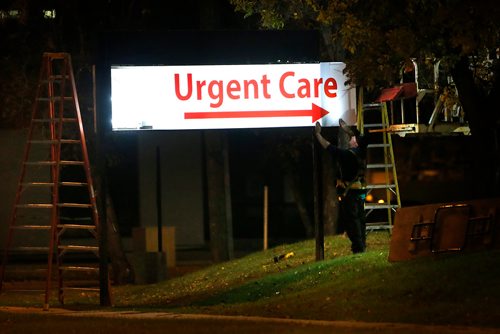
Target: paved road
{"points": [[14, 320]]}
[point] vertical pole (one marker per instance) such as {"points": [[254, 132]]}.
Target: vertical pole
{"points": [[318, 222], [227, 196], [104, 288], [266, 191], [55, 112], [102, 131], [158, 200], [417, 104], [94, 98]]}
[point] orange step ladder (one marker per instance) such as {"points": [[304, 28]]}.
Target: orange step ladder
{"points": [[54, 224]]}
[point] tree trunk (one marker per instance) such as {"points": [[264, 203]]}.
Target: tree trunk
{"points": [[330, 203], [219, 196], [333, 49], [301, 207], [122, 270], [217, 166], [482, 123]]}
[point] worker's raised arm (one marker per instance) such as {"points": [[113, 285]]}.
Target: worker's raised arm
{"points": [[321, 140]]}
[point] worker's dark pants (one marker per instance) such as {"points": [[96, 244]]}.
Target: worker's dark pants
{"points": [[352, 214]]}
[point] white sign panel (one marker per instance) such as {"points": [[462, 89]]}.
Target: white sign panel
{"points": [[230, 96]]}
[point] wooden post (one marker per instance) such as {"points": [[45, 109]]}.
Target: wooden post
{"points": [[94, 98], [159, 200], [101, 151], [266, 191]]}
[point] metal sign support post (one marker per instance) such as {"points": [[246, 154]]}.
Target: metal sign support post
{"points": [[318, 221]]}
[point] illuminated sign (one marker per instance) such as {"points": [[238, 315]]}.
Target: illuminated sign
{"points": [[230, 96]]}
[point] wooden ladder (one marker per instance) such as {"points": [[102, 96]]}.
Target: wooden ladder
{"points": [[54, 219]]}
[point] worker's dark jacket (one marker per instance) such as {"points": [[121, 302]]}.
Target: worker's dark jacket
{"points": [[351, 163]]}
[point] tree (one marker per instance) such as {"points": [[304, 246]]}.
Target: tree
{"points": [[375, 38], [290, 151]]}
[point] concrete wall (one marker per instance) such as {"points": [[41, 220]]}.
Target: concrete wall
{"points": [[181, 183], [12, 143]]}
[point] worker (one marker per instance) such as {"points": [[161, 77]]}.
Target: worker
{"points": [[351, 185]]}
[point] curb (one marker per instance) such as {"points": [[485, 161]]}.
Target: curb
{"points": [[337, 324]]}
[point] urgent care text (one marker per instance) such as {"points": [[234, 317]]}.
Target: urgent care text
{"points": [[289, 86]]}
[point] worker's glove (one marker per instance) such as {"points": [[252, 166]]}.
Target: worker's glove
{"points": [[317, 129], [345, 127]]}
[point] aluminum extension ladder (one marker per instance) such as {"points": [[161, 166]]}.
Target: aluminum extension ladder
{"points": [[381, 175], [54, 221]]}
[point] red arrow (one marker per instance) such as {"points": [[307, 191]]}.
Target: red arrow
{"points": [[316, 112]]}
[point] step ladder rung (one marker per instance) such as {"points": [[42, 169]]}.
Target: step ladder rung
{"points": [[22, 290], [78, 248], [381, 145], [380, 186], [71, 162], [53, 142], [17, 271], [74, 205], [369, 206], [54, 120], [37, 184], [379, 223], [75, 219], [35, 206], [43, 141], [72, 288], [31, 227], [49, 206], [378, 226], [30, 249], [40, 163], [79, 268], [77, 226], [51, 184], [70, 141], [58, 77], [372, 106], [51, 56], [51, 163], [374, 166], [73, 184], [55, 99], [375, 125]]}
